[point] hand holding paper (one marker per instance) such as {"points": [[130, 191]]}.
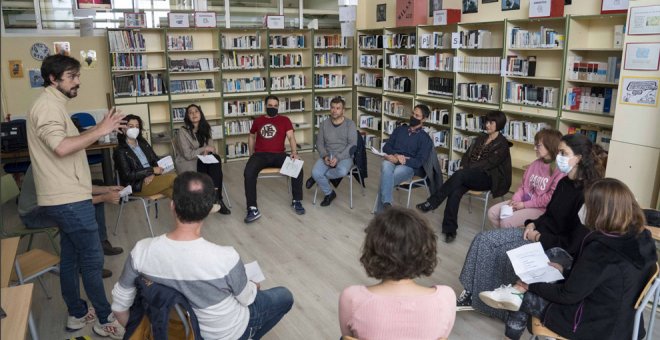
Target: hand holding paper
{"points": [[166, 163], [207, 159], [291, 167], [531, 264], [253, 272]]}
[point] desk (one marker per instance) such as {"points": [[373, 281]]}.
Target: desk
{"points": [[7, 256], [106, 150], [16, 303], [655, 232]]}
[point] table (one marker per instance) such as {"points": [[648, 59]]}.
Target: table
{"points": [[16, 303], [105, 148], [8, 247], [655, 232]]}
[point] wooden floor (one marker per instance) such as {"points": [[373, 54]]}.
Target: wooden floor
{"points": [[315, 255]]}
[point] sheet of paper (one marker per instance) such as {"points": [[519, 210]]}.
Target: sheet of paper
{"points": [[166, 163], [253, 272], [347, 13], [291, 167], [207, 159], [348, 29], [126, 191], [531, 264], [347, 2], [376, 152]]}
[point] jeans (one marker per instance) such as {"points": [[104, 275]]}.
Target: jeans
{"points": [[323, 173], [81, 253], [391, 175], [266, 311], [260, 161], [37, 219]]}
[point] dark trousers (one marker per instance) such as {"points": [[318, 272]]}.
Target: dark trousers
{"points": [[214, 171], [260, 161], [453, 190]]}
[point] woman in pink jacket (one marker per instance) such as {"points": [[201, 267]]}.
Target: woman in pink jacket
{"points": [[539, 182]]}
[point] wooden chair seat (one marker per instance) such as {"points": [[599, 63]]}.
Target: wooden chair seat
{"points": [[413, 180], [34, 261], [475, 193], [539, 330], [270, 171]]}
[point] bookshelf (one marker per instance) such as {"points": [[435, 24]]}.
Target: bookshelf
{"points": [[369, 85]]}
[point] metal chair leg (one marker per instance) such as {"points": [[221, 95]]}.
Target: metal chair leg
{"points": [[121, 207], [483, 220], [315, 192], [43, 286], [224, 189], [53, 242], [350, 190], [30, 242], [146, 212], [469, 204], [33, 327]]}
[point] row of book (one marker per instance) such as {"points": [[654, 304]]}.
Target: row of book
{"points": [[371, 61], [521, 66], [530, 94], [440, 137], [245, 42], [322, 81], [478, 92], [244, 84], [232, 61], [286, 60], [367, 41], [370, 122], [238, 127], [180, 42], [591, 99], [481, 65], [476, 39], [178, 114], [330, 41], [149, 84], [192, 85], [288, 82], [402, 61], [286, 41], [126, 41], [368, 80], [461, 143], [128, 61], [523, 131], [370, 104], [320, 119], [330, 59], [469, 121], [596, 135], [288, 105], [396, 108], [199, 64], [579, 69], [435, 40], [441, 86], [323, 103], [439, 116], [399, 40], [238, 149], [437, 62], [239, 108], [398, 84], [371, 141], [390, 125], [543, 38]]}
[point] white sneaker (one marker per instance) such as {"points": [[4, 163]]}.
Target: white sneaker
{"points": [[73, 323], [111, 329], [505, 297]]}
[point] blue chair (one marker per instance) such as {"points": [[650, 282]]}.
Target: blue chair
{"points": [[86, 120], [16, 167]]}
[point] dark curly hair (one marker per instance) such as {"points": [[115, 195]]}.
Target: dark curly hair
{"points": [[399, 245], [203, 134], [590, 167], [121, 137], [193, 204], [55, 65]]}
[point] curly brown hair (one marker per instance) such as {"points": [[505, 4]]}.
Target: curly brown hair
{"points": [[399, 245]]}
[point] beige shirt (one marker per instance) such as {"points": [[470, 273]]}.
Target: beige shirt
{"points": [[59, 180]]}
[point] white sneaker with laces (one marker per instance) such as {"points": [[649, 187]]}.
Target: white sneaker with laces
{"points": [[110, 329], [506, 297], [73, 323]]}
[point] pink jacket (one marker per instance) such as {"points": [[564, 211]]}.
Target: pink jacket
{"points": [[539, 182]]}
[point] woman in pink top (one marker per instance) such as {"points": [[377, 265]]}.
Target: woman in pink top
{"points": [[399, 247], [539, 182]]}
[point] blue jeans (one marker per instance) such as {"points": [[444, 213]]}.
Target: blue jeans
{"points": [[37, 219], [81, 253], [267, 309], [323, 173], [391, 175]]}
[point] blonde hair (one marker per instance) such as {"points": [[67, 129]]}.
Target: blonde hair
{"points": [[612, 208]]}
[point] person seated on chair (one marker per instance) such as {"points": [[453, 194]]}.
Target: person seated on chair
{"points": [[539, 182], [399, 247], [266, 145], [137, 163], [405, 154], [194, 139], [485, 166], [210, 276], [596, 300], [34, 216], [335, 140]]}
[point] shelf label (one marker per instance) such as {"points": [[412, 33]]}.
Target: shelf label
{"points": [[440, 17], [455, 40]]}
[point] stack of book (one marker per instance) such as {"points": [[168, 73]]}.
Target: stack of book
{"points": [[329, 80], [398, 84], [440, 138], [180, 42], [371, 141], [192, 85], [370, 122], [126, 41], [366, 41], [289, 105], [390, 125], [441, 86], [402, 61], [544, 38], [244, 84], [396, 109], [178, 114], [238, 127], [330, 59], [330, 41], [290, 82], [470, 122], [399, 40], [481, 65], [286, 41], [461, 143], [521, 66], [233, 61], [238, 108], [596, 135], [478, 92], [523, 131], [437, 62], [435, 40], [530, 94], [370, 104], [245, 42], [579, 69], [368, 80], [188, 65], [439, 116], [238, 149], [476, 39], [371, 61], [320, 119], [287, 60], [591, 99]]}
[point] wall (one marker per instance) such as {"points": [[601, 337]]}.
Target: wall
{"points": [[17, 96]]}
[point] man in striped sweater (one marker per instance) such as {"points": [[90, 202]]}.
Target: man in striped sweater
{"points": [[211, 277]]}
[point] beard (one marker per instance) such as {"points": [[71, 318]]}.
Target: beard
{"points": [[71, 93]]}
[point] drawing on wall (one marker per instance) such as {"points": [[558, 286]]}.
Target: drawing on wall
{"points": [[88, 59], [508, 5], [62, 47], [35, 78], [381, 14], [16, 69], [434, 5], [470, 6], [640, 91]]}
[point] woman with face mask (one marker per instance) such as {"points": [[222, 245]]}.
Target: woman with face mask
{"points": [[137, 163], [487, 265]]}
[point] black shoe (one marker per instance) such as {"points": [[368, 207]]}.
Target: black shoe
{"points": [[253, 214], [109, 250], [425, 207], [106, 273], [310, 183], [464, 301], [387, 205], [335, 181], [328, 199], [450, 237], [223, 209], [298, 207]]}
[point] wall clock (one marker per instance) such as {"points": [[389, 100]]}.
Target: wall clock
{"points": [[39, 51]]}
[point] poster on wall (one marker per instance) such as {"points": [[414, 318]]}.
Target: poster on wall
{"points": [[62, 47], [16, 69], [135, 20], [642, 56], [35, 78], [510, 5], [205, 19], [434, 5], [470, 6], [88, 59], [644, 20], [613, 6], [641, 91], [94, 4], [381, 12], [178, 20]]}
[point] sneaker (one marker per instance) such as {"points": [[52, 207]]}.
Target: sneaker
{"points": [[297, 207], [106, 273], [387, 205], [425, 207], [223, 209], [110, 329], [253, 214], [328, 199], [450, 237], [109, 250], [464, 301], [505, 297], [73, 323], [310, 183]]}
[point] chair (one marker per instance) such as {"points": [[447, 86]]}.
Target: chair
{"points": [[354, 170], [10, 191], [346, 337], [482, 196], [16, 167], [414, 182], [147, 202], [539, 330], [651, 290], [86, 121], [274, 173]]}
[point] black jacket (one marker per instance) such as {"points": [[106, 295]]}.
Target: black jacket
{"points": [[433, 172], [597, 300], [129, 166], [497, 163]]}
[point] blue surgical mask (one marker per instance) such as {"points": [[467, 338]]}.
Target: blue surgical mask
{"points": [[563, 164]]}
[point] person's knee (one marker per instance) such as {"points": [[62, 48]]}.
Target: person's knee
{"points": [[284, 297]]}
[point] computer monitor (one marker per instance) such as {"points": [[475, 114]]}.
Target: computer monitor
{"points": [[13, 135]]}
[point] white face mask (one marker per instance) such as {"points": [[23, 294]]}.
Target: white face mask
{"points": [[563, 164], [132, 133]]}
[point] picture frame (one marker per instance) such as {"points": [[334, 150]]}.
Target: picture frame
{"points": [[435, 5], [644, 20], [274, 21], [381, 12], [178, 20], [470, 6], [135, 20], [205, 19], [36, 81], [613, 6], [94, 4], [642, 56], [510, 5], [640, 91], [15, 69], [62, 47]]}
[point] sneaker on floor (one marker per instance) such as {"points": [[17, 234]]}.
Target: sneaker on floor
{"points": [[464, 301], [73, 323], [109, 250], [106, 273], [450, 237], [328, 199], [425, 207], [310, 183], [506, 297], [253, 214], [110, 329], [223, 209], [387, 205], [298, 207]]}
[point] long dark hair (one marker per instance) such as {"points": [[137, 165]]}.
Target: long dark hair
{"points": [[121, 137], [590, 167], [203, 134]]}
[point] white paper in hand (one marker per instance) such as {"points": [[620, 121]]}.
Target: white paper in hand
{"points": [[166, 163], [291, 167], [126, 191], [253, 272], [376, 152], [531, 264], [207, 159]]}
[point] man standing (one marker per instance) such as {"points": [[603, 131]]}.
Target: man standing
{"points": [[337, 137], [266, 145], [405, 154], [64, 190]]}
